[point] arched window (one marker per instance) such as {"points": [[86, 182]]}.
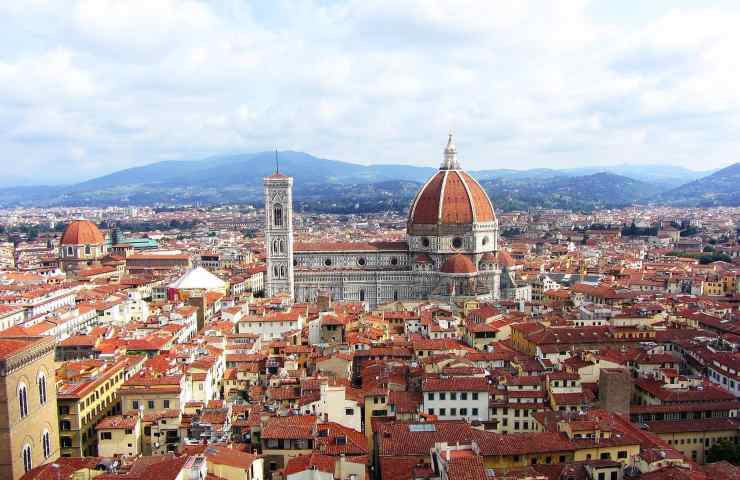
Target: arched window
{"points": [[23, 400], [277, 215], [87, 249], [69, 251], [362, 295], [282, 246], [274, 246], [46, 443], [42, 388], [26, 452], [275, 271], [282, 271], [395, 295]]}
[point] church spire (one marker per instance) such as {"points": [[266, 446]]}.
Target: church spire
{"points": [[450, 161]]}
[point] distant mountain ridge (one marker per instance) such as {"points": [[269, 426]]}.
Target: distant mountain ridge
{"points": [[238, 178], [720, 188]]}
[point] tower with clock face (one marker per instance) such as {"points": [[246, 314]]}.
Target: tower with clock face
{"points": [[279, 234]]}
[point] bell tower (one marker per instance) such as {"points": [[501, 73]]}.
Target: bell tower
{"points": [[279, 234]]}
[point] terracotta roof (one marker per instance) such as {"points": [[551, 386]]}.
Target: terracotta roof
{"points": [[350, 246], [228, 456], [81, 232], [11, 346], [294, 427], [466, 468], [312, 461], [451, 197], [117, 423], [458, 263], [455, 384]]}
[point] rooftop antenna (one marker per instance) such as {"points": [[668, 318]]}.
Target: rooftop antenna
{"points": [[277, 162]]}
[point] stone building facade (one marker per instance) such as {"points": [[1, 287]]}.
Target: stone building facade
{"points": [[29, 434], [451, 249]]}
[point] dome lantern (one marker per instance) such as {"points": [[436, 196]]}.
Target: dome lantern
{"points": [[450, 162]]}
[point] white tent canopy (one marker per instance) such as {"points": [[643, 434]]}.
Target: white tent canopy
{"points": [[198, 279]]}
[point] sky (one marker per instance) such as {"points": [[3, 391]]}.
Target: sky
{"points": [[88, 87]]}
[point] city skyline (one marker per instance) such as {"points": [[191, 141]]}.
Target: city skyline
{"points": [[95, 87]]}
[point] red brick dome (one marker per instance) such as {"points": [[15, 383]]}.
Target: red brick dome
{"points": [[488, 257], [451, 197], [82, 232], [459, 264]]}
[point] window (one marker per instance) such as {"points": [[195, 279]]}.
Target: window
{"points": [[46, 443], [87, 249], [27, 458], [430, 411], [42, 389], [166, 403], [622, 454], [475, 395], [106, 435], [442, 412], [349, 411], [65, 442], [602, 476], [464, 396], [64, 410], [457, 242], [463, 411], [425, 242], [361, 262], [475, 413], [147, 431], [394, 261], [453, 411], [150, 403], [442, 396], [135, 405], [430, 396], [453, 395], [70, 252], [23, 401], [327, 262], [277, 214], [65, 425], [128, 431]]}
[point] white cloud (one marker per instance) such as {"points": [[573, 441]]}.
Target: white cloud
{"points": [[106, 84]]}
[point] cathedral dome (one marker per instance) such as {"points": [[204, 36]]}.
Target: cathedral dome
{"points": [[82, 232], [458, 264], [488, 257], [451, 197]]}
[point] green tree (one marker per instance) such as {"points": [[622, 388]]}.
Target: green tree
{"points": [[724, 450]]}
